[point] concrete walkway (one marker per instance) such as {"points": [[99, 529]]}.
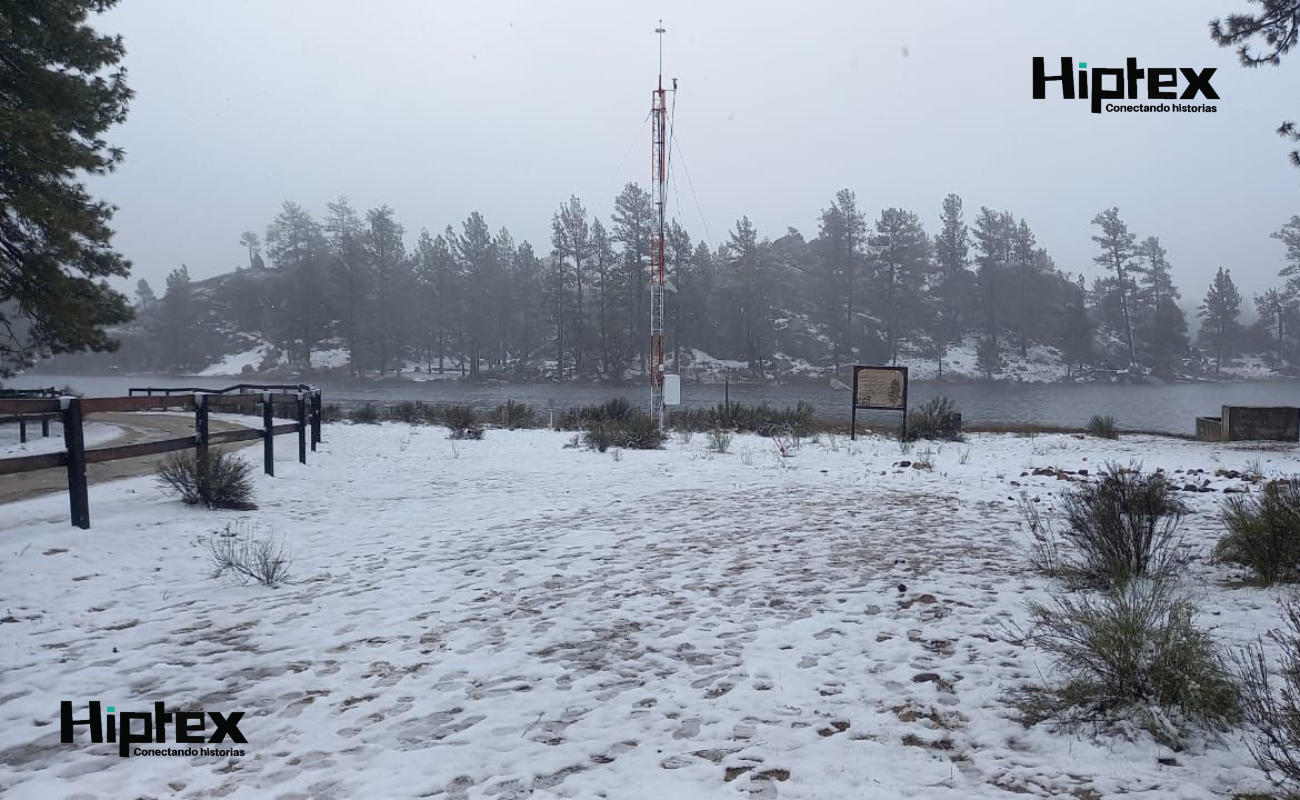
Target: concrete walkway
{"points": [[136, 427]]}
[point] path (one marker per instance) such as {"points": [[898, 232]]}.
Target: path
{"points": [[136, 427]]}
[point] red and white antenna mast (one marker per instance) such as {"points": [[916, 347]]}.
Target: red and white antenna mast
{"points": [[658, 266]]}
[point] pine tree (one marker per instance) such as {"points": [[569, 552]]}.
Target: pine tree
{"points": [[296, 246], [1278, 26], [1289, 236], [750, 284], [385, 254], [1118, 250], [951, 249], [145, 299], [1161, 322], [251, 241], [842, 237], [1272, 306], [632, 227], [1220, 310], [994, 235], [176, 323], [571, 241], [353, 281], [1077, 337], [1024, 257], [901, 278], [61, 88]]}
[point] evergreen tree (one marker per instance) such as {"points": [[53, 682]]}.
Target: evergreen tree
{"points": [[1272, 306], [632, 227], [750, 288], [994, 235], [901, 277], [571, 242], [1118, 250], [1277, 26], [251, 241], [951, 248], [385, 255], [1077, 337], [145, 299], [1289, 236], [296, 245], [1024, 257], [176, 323], [843, 234], [353, 280], [604, 262], [61, 88], [1220, 311], [1161, 322]]}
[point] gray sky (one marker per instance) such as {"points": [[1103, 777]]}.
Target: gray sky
{"points": [[440, 109]]}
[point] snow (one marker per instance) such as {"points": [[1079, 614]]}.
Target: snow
{"points": [[509, 618], [95, 433], [235, 363]]}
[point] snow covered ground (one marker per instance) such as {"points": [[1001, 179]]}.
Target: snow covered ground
{"points": [[236, 363], [96, 433], [509, 619]]}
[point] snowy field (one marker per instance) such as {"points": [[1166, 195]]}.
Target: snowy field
{"points": [[509, 619], [95, 433]]}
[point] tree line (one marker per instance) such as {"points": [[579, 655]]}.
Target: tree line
{"points": [[475, 301]]}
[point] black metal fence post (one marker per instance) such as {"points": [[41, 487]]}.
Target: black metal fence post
{"points": [[75, 442], [316, 412], [302, 428], [268, 436], [201, 426], [22, 431], [45, 427]]}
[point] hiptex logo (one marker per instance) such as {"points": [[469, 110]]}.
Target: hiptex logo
{"points": [[189, 727], [1161, 85]]}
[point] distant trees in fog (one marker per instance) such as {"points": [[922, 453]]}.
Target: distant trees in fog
{"points": [[468, 299]]}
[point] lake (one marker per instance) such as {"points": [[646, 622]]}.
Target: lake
{"points": [[1171, 408]]}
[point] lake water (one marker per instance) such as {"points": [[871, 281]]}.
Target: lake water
{"points": [[1172, 408]]}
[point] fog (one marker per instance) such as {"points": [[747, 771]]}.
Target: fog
{"points": [[440, 109]]}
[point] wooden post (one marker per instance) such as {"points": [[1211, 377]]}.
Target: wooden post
{"points": [[268, 436], [75, 443], [45, 427], [302, 428], [315, 419], [22, 431], [201, 425]]}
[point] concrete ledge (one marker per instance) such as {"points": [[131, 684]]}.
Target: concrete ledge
{"points": [[1251, 424]]}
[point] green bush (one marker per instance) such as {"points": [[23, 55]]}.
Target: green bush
{"points": [[937, 418], [331, 413], [366, 414], [213, 479], [1131, 652], [462, 422], [1103, 427], [1264, 532], [719, 440], [513, 416]]}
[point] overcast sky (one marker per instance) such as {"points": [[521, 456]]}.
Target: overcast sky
{"points": [[440, 109]]}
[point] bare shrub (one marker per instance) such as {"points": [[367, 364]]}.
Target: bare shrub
{"points": [[720, 440], [462, 423], [513, 415], [364, 414], [1123, 526], [937, 418], [1263, 532], [1103, 427], [213, 479], [638, 431], [1044, 544], [1131, 653], [246, 557], [1271, 703]]}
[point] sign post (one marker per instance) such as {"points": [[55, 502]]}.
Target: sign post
{"points": [[879, 389]]}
